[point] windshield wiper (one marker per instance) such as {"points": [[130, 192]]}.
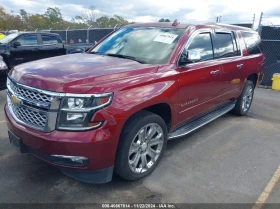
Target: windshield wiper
{"points": [[97, 53], [126, 57]]}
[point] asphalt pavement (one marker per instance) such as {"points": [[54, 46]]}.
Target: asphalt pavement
{"points": [[230, 160]]}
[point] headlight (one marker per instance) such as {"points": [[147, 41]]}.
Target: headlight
{"points": [[77, 110]]}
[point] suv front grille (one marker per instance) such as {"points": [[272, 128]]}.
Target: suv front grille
{"points": [[31, 95], [31, 107], [33, 118]]}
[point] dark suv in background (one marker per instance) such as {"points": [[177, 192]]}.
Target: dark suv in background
{"points": [[18, 48]]}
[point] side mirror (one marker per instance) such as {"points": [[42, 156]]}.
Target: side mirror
{"points": [[16, 44], [190, 57]]}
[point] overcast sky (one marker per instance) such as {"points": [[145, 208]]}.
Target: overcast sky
{"points": [[232, 11]]}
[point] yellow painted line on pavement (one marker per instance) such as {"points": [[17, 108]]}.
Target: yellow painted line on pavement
{"points": [[3, 121], [268, 189]]}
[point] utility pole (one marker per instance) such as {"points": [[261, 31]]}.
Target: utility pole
{"points": [[217, 19], [66, 35], [260, 23], [254, 18], [88, 33]]}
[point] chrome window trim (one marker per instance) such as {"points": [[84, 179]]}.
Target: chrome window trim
{"points": [[211, 31], [29, 45], [238, 42], [49, 44]]}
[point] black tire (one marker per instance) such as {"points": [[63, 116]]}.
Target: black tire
{"points": [[238, 109], [132, 127]]}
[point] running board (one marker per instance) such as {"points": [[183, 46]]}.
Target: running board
{"points": [[201, 121]]}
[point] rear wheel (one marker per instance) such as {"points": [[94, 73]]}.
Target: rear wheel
{"points": [[142, 144], [245, 100]]}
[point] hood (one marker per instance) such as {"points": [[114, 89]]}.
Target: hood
{"points": [[77, 73]]}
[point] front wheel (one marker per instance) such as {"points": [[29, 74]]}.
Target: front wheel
{"points": [[142, 144], [245, 100]]}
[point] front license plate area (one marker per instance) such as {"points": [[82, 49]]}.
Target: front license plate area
{"points": [[14, 139]]}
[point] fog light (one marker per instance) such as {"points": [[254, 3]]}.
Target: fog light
{"points": [[76, 116], [70, 160]]}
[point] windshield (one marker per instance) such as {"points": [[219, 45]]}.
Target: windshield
{"points": [[8, 38], [143, 44]]}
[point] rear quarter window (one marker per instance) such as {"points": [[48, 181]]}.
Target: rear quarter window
{"points": [[48, 39], [253, 42]]}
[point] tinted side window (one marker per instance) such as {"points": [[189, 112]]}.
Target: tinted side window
{"points": [[253, 42], [59, 40], [49, 39], [202, 43], [28, 40], [223, 46]]}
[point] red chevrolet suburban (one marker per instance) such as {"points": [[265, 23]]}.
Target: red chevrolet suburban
{"points": [[113, 109]]}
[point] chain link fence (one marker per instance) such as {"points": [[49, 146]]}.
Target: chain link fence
{"points": [[82, 35], [90, 35], [267, 28], [270, 35]]}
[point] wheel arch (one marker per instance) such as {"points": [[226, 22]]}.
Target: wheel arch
{"points": [[162, 109], [254, 78]]}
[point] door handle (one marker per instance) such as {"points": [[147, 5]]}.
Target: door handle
{"points": [[239, 66], [36, 49], [215, 72]]}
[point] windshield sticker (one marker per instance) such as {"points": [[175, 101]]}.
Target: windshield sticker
{"points": [[166, 38]]}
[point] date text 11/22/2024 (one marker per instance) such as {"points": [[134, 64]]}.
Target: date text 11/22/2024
{"points": [[127, 205]]}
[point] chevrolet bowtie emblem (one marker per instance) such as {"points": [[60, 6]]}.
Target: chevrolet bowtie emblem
{"points": [[15, 100]]}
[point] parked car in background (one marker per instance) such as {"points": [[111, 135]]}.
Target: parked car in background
{"points": [[18, 48], [114, 107], [3, 74]]}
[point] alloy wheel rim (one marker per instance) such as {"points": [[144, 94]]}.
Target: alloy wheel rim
{"points": [[247, 99], [145, 148]]}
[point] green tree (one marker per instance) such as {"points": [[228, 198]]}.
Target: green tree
{"points": [[10, 21], [38, 21], [103, 22], [161, 20], [90, 15], [54, 18]]}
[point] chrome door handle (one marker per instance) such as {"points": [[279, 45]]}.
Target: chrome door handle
{"points": [[239, 66], [215, 72]]}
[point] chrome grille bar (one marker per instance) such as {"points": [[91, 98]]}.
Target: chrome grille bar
{"points": [[36, 109]]}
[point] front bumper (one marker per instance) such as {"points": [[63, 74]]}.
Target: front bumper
{"points": [[96, 145]]}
